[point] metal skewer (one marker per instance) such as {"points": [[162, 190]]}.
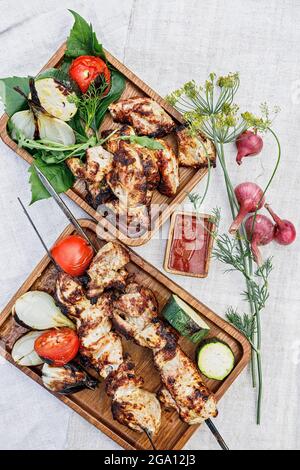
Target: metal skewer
{"points": [[39, 235], [79, 229], [59, 269], [217, 435], [149, 437], [63, 207]]}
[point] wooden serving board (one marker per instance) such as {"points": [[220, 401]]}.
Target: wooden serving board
{"points": [[94, 405], [189, 177]]}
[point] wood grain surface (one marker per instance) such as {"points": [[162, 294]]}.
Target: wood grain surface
{"points": [[164, 206], [94, 405]]}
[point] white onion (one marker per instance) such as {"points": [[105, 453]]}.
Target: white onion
{"points": [[23, 352], [55, 98], [23, 121], [54, 129], [37, 310]]}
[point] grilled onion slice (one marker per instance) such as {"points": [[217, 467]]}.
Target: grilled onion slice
{"points": [[55, 98], [37, 310], [23, 352], [23, 122], [70, 378]]}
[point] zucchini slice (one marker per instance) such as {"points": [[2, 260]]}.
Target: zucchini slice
{"points": [[215, 359], [184, 319]]}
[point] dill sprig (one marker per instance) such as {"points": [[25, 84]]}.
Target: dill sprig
{"points": [[210, 109], [245, 323], [89, 103]]}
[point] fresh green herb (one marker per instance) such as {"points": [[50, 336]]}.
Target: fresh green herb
{"points": [[210, 109], [117, 87], [11, 99], [146, 142], [88, 105], [59, 175], [245, 323], [82, 39], [65, 151], [93, 104]]}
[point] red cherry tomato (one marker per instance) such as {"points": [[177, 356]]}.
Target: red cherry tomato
{"points": [[85, 68], [57, 346], [73, 254]]}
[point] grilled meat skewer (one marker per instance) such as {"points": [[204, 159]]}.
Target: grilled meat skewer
{"points": [[135, 314], [101, 349]]}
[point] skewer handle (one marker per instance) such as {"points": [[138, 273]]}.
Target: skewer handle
{"points": [[217, 435]]}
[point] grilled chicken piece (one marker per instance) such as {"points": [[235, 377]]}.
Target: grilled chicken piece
{"points": [[70, 378], [93, 171], [77, 167], [144, 114], [134, 220], [107, 269], [112, 144], [167, 400], [169, 170], [182, 380], [135, 314], [194, 151], [127, 178], [147, 156], [100, 347], [132, 405]]}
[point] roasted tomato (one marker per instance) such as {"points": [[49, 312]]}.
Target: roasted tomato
{"points": [[57, 346], [86, 68], [73, 254]]}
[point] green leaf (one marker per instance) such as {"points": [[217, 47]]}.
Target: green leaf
{"points": [[59, 175], [12, 100], [143, 141], [77, 127], [116, 89], [60, 74], [82, 39]]}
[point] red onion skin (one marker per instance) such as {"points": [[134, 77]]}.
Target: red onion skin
{"points": [[248, 145], [250, 198], [260, 231], [285, 232]]}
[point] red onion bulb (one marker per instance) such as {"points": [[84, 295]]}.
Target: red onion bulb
{"points": [[285, 232], [260, 231], [250, 198], [248, 144]]}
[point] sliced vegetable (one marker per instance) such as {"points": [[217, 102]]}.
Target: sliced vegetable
{"points": [[55, 130], [57, 346], [215, 359], [184, 319], [23, 122], [37, 310], [23, 352], [55, 98], [67, 379], [85, 69], [73, 254]]}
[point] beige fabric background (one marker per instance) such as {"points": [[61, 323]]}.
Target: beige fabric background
{"points": [[166, 43]]}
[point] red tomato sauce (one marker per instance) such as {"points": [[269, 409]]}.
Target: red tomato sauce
{"points": [[189, 246]]}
